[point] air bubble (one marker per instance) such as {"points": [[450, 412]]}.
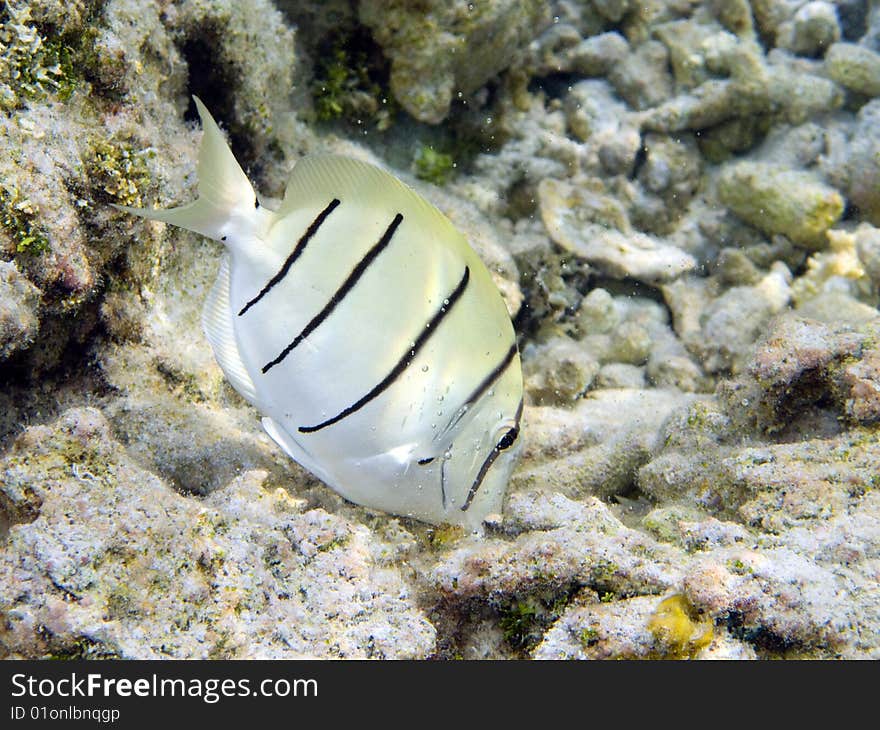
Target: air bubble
{"points": [[424, 368]]}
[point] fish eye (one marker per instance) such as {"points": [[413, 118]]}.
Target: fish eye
{"points": [[507, 440]]}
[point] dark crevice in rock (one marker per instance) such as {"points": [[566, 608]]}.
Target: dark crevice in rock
{"points": [[853, 17], [760, 636], [556, 85], [212, 79]]}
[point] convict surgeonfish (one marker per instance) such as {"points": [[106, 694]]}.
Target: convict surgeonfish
{"points": [[365, 329]]}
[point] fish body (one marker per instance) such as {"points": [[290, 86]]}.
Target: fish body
{"points": [[365, 329]]}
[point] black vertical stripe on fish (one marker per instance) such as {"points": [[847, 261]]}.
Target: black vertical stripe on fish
{"points": [[505, 443], [295, 254], [349, 284], [405, 360], [478, 392]]}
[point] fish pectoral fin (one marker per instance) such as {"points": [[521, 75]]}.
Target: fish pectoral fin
{"points": [[289, 446], [217, 322]]}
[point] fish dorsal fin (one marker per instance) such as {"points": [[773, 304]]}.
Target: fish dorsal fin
{"points": [[324, 177], [217, 321]]}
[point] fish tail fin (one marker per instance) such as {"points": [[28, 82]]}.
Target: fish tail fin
{"points": [[223, 186]]}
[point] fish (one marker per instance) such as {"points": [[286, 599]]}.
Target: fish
{"points": [[366, 331]]}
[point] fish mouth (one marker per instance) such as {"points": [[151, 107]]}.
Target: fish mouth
{"points": [[507, 445]]}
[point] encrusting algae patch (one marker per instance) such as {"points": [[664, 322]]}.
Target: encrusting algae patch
{"points": [[679, 631]]}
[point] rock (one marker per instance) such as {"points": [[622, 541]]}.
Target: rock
{"points": [[867, 240], [630, 344], [598, 118], [613, 10], [864, 163], [670, 177], [687, 41], [837, 307], [597, 313], [775, 598], [795, 371], [734, 267], [19, 310], [538, 148], [744, 483], [671, 366], [772, 15], [687, 299], [776, 200], [641, 78], [690, 528], [565, 542], [596, 228], [734, 15], [596, 55], [97, 131], [744, 84], [558, 372], [855, 67], [620, 375], [837, 271], [861, 385], [733, 322], [596, 447], [617, 630], [105, 560], [440, 49], [813, 29]]}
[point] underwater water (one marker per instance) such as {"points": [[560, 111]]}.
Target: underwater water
{"points": [[679, 204]]}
